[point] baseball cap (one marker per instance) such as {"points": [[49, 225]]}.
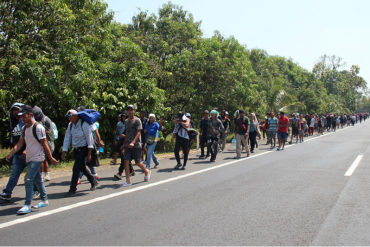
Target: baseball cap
{"points": [[80, 108], [71, 113], [241, 111], [124, 113], [180, 115], [188, 115], [25, 109], [131, 106]]}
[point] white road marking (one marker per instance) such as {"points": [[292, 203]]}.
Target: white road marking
{"points": [[354, 165], [79, 204]]}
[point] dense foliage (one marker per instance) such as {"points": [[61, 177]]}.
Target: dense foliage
{"points": [[59, 54]]}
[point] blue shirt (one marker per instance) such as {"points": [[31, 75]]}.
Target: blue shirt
{"points": [[251, 128], [152, 129], [119, 130]]}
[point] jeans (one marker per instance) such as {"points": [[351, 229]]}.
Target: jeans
{"points": [[33, 175], [184, 143], [92, 170], [223, 138], [203, 140], [19, 163], [253, 139], [151, 155], [212, 146], [80, 166], [239, 140]]}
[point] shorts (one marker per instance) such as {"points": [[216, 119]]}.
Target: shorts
{"points": [[295, 131], [319, 125], [282, 135], [301, 132], [272, 134], [334, 124], [132, 154]]}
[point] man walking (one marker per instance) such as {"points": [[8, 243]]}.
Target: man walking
{"points": [[241, 133], [80, 136], [204, 133], [132, 145], [34, 136], [272, 127], [19, 161], [40, 117], [283, 130]]}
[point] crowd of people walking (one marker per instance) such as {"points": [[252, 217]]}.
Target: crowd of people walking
{"points": [[33, 135]]}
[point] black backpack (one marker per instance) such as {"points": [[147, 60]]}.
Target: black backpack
{"points": [[49, 135]]}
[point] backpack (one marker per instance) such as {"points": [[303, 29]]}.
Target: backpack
{"points": [[55, 129], [49, 135], [90, 116]]}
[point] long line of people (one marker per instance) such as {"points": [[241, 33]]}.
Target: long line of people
{"points": [[32, 144]]}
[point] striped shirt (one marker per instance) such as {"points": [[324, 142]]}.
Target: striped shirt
{"points": [[272, 122]]}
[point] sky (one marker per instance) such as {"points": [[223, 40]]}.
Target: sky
{"points": [[297, 29]]}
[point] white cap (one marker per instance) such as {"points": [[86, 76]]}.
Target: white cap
{"points": [[151, 115]]}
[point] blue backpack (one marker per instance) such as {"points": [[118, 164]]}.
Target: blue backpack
{"points": [[90, 116]]}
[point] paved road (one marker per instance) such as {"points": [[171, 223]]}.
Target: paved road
{"points": [[298, 196]]}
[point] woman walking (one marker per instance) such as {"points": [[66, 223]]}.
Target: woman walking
{"points": [[254, 131], [151, 136]]}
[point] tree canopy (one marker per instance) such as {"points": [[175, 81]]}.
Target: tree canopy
{"points": [[59, 54]]}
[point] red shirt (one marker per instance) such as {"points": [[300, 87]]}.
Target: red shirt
{"points": [[283, 121]]}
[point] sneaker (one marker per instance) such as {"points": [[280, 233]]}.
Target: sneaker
{"points": [[156, 166], [118, 176], [35, 194], [25, 210], [70, 194], [282, 148], [95, 176], [41, 204], [4, 196], [278, 149], [47, 177], [252, 151], [202, 156], [248, 155], [212, 160], [236, 157], [94, 185], [78, 181], [290, 142], [132, 173], [183, 168], [178, 166], [220, 151]]}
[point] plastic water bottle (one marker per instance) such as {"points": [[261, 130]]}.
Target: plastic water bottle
{"points": [[233, 143], [101, 150]]}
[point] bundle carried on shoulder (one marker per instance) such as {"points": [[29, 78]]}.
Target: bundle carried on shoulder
{"points": [[90, 116]]}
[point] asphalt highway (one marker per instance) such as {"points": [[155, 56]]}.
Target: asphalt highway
{"points": [[298, 196]]}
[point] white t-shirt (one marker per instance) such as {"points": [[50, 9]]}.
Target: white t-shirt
{"points": [[312, 124], [34, 150]]}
